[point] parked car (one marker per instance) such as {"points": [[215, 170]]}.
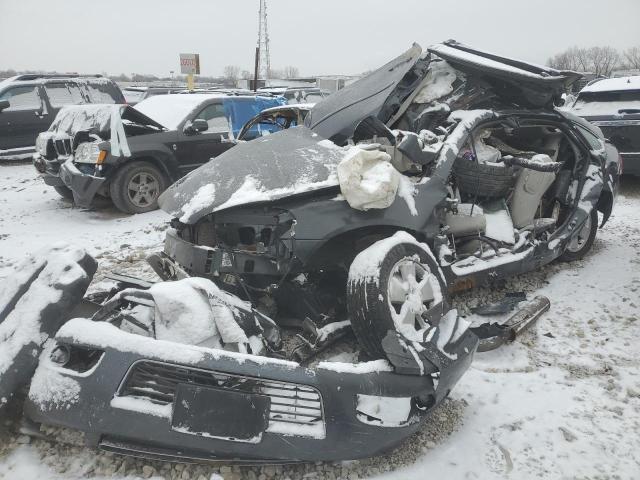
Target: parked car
{"points": [[134, 95], [614, 105], [132, 154], [459, 151], [29, 103], [297, 94], [275, 119]]}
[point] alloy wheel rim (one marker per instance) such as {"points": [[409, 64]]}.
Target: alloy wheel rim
{"points": [[143, 189], [412, 291]]}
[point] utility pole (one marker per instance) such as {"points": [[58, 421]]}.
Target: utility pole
{"points": [[256, 70], [264, 61]]}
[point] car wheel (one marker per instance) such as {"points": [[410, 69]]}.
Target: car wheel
{"points": [[409, 296], [64, 192], [136, 187], [582, 242]]}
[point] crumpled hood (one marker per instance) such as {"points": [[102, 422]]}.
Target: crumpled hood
{"points": [[283, 164], [378, 94], [105, 121], [96, 118]]}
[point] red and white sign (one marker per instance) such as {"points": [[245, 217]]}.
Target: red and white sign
{"points": [[190, 63]]}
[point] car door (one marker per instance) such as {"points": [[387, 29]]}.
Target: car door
{"points": [[25, 117], [196, 148]]}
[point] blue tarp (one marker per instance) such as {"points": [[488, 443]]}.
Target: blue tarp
{"points": [[242, 109]]}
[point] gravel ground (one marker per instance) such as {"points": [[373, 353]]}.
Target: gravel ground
{"points": [[582, 358]]}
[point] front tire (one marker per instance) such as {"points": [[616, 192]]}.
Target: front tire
{"points": [[582, 242], [136, 186], [409, 296]]}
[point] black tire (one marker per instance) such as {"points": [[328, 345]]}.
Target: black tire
{"points": [[64, 192], [483, 180], [591, 229], [368, 299], [123, 197]]}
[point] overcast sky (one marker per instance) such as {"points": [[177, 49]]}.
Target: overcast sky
{"points": [[318, 37]]}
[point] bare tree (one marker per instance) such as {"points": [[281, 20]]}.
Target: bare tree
{"points": [[231, 73], [563, 61], [604, 60], [291, 72], [574, 58], [246, 75], [582, 57], [632, 58], [599, 60]]}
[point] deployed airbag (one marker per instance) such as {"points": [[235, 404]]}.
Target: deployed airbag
{"points": [[367, 179]]}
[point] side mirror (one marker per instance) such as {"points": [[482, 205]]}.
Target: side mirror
{"points": [[4, 104], [200, 125], [196, 126]]}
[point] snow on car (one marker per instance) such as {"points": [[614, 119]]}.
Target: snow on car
{"points": [[444, 201], [131, 154]]}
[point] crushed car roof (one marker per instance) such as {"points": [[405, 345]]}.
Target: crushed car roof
{"points": [[524, 83]]}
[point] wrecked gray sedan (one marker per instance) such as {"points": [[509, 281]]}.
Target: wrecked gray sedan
{"points": [[437, 172]]}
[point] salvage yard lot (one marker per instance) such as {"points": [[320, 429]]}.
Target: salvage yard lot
{"points": [[561, 402]]}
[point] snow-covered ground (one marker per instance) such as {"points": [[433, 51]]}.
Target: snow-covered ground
{"points": [[33, 215], [563, 402]]}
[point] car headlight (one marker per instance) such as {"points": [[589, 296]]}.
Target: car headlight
{"points": [[41, 145], [89, 153]]}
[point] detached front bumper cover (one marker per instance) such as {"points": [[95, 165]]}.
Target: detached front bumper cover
{"points": [[153, 398], [83, 186]]}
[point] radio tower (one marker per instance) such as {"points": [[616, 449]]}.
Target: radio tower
{"points": [[264, 69]]}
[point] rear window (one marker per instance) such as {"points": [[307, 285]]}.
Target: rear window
{"points": [[606, 103], [133, 96], [104, 93], [22, 98], [61, 94]]}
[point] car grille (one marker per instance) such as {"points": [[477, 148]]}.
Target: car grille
{"points": [[295, 409], [63, 147]]}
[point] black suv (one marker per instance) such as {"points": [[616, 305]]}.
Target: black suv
{"points": [[132, 154], [29, 103]]}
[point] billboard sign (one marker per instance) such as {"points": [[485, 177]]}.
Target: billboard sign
{"points": [[190, 63]]}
